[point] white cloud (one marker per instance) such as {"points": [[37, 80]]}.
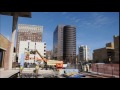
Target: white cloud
{"points": [[100, 20], [97, 21]]}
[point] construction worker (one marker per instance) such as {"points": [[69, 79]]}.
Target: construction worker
{"points": [[22, 62], [21, 69], [37, 69]]}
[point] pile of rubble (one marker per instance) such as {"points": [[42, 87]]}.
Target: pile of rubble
{"points": [[32, 75], [62, 73]]}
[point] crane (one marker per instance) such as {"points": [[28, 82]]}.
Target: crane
{"points": [[57, 63]]}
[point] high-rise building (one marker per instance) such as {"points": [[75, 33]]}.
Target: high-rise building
{"points": [[69, 44], [83, 53], [58, 43], [64, 43], [28, 32]]}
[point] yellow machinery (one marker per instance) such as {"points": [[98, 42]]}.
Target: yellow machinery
{"points": [[58, 64]]}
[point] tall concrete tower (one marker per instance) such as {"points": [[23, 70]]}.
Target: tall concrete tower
{"points": [[69, 44]]}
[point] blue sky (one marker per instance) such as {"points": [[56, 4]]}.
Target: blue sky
{"points": [[94, 29]]}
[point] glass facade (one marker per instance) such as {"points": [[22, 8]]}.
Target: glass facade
{"points": [[64, 43], [55, 43]]}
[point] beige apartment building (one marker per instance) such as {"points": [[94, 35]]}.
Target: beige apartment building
{"points": [[108, 53]]}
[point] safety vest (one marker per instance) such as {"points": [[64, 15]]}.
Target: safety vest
{"points": [[37, 67], [21, 68]]}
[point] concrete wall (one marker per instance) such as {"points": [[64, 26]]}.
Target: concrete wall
{"points": [[100, 54], [5, 44], [103, 54]]}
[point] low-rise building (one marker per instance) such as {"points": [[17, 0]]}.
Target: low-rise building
{"points": [[49, 55], [110, 53], [103, 54], [4, 52]]}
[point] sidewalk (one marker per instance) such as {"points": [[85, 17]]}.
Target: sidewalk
{"points": [[7, 73]]}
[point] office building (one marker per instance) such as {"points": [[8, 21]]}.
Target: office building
{"points": [[64, 43], [69, 44], [103, 54], [58, 43], [28, 32], [83, 53]]}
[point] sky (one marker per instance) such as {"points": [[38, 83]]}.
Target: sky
{"points": [[93, 29]]}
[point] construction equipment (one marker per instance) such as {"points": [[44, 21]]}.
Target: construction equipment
{"points": [[58, 64]]}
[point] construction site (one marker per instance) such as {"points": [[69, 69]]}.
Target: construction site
{"points": [[30, 59], [43, 68]]}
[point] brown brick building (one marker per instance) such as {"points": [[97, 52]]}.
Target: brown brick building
{"points": [[49, 55], [28, 32], [4, 52], [116, 46], [111, 51], [102, 54]]}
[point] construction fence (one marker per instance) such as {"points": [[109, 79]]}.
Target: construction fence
{"points": [[112, 69]]}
